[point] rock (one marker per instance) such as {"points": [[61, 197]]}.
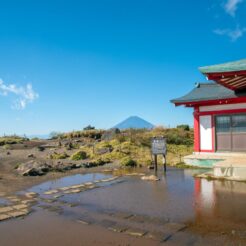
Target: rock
{"points": [[61, 166], [30, 156], [8, 153], [102, 151], [150, 178], [33, 168], [110, 134]]}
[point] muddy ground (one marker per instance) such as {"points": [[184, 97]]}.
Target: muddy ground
{"points": [[11, 180]]}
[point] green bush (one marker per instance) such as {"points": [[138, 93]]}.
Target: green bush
{"points": [[128, 162], [79, 155], [12, 140], [7, 146], [58, 156], [184, 127]]}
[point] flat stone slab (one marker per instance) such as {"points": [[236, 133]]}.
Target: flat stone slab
{"points": [[57, 196], [65, 188], [4, 217], [83, 222], [28, 202], [135, 232], [158, 236], [31, 194], [77, 186], [48, 200], [51, 192], [118, 228], [75, 191], [18, 213], [6, 209], [20, 206]]}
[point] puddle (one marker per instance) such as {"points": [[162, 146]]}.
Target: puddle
{"points": [[178, 196], [173, 201], [69, 181], [3, 202]]}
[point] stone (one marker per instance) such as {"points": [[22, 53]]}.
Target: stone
{"points": [[28, 202], [117, 228], [51, 192], [18, 213], [58, 196], [75, 191], [135, 232], [31, 194], [65, 188], [14, 199], [4, 217], [89, 183], [30, 155], [77, 186], [33, 168], [150, 178], [60, 166], [20, 206], [158, 236], [6, 209], [83, 222]]}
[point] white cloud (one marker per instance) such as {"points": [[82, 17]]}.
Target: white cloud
{"points": [[25, 94], [233, 34], [231, 6]]}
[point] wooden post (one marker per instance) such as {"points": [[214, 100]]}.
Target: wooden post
{"points": [[165, 163], [155, 157]]}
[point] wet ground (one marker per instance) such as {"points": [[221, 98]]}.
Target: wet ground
{"points": [[121, 209]]}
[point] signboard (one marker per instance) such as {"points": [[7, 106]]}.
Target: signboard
{"points": [[158, 146]]}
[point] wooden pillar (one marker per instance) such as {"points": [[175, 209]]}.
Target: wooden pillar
{"points": [[155, 163], [164, 163], [196, 130]]}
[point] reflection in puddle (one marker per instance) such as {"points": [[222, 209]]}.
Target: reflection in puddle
{"points": [[69, 181], [178, 198]]}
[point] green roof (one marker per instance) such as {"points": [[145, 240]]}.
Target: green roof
{"points": [[225, 67], [206, 92]]}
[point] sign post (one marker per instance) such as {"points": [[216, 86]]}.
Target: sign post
{"points": [[159, 147]]}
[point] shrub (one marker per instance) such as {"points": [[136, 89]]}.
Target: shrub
{"points": [[128, 162], [89, 127], [79, 155], [7, 146], [58, 156], [12, 140], [41, 148], [184, 127]]}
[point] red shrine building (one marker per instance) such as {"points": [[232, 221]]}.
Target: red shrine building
{"points": [[219, 108]]}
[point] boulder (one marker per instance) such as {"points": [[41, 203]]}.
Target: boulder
{"points": [[33, 168], [61, 166]]}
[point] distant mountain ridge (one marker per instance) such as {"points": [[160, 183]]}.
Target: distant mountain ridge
{"points": [[134, 122]]}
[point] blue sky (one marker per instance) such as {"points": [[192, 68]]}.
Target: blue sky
{"points": [[67, 64]]}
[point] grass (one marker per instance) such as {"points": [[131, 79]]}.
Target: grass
{"points": [[134, 145], [8, 140], [79, 155], [58, 156]]}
